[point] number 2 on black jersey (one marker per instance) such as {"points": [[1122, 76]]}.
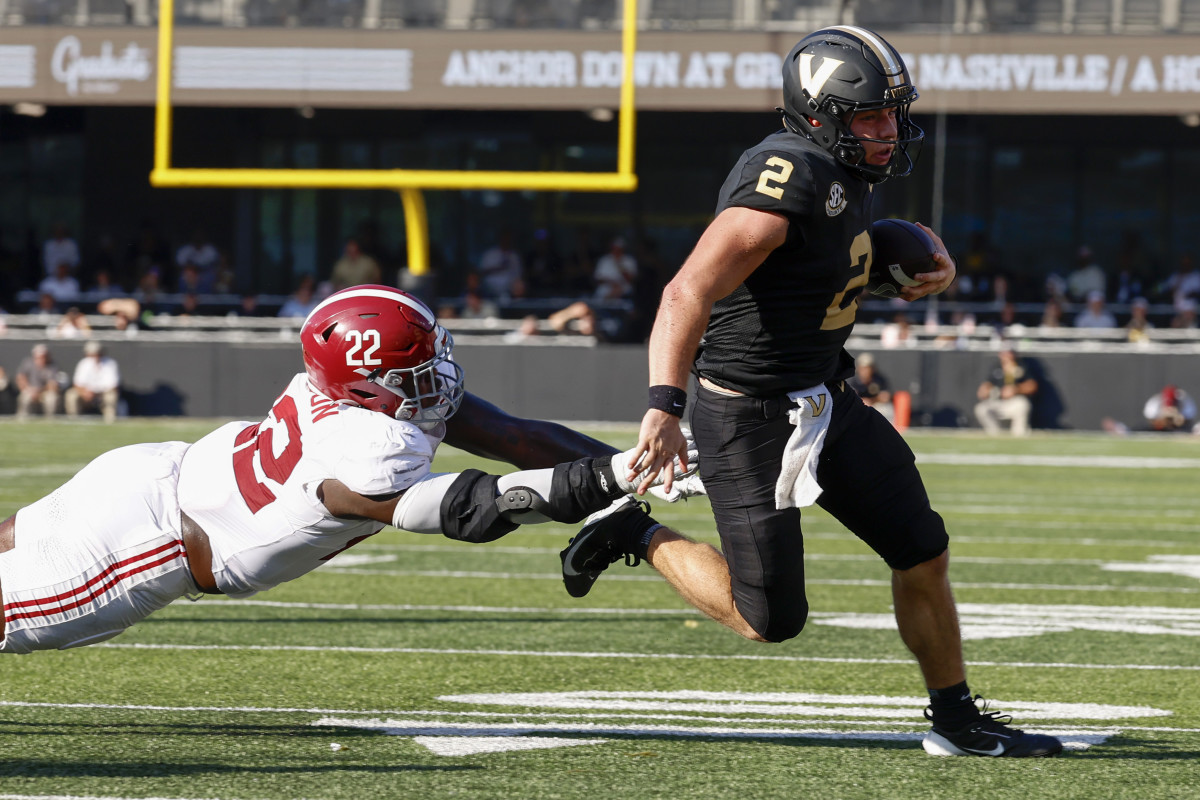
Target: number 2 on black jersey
{"points": [[771, 176], [841, 311]]}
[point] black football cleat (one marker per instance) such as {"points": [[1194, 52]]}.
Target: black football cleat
{"points": [[991, 735], [606, 536]]}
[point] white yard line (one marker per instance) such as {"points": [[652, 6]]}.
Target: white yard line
{"points": [[647, 578], [510, 715], [1095, 462], [450, 651], [866, 557], [646, 612]]}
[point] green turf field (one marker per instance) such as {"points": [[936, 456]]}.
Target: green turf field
{"points": [[442, 669]]}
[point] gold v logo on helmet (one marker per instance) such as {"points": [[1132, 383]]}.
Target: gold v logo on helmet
{"points": [[814, 83]]}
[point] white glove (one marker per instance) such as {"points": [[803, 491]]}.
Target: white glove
{"points": [[682, 489], [622, 463]]}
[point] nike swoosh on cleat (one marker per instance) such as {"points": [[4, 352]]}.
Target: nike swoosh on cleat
{"points": [[998, 750]]}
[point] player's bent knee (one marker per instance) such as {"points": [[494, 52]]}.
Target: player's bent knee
{"points": [[773, 620], [924, 539], [469, 511]]}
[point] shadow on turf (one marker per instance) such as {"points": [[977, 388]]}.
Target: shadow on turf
{"points": [[26, 767], [158, 769], [1131, 748]]}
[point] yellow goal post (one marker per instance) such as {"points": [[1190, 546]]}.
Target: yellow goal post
{"points": [[409, 182]]}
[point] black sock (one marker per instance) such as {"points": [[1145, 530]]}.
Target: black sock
{"points": [[641, 543], [952, 707]]}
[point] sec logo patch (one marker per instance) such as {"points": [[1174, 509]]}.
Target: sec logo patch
{"points": [[836, 202]]}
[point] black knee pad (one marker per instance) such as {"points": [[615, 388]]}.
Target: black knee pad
{"points": [[580, 488], [469, 511]]}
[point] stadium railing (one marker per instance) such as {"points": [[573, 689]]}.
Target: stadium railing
{"points": [[975, 16]]}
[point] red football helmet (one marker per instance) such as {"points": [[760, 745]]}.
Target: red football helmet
{"points": [[382, 349]]}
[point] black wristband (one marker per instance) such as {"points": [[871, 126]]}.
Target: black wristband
{"points": [[670, 399]]}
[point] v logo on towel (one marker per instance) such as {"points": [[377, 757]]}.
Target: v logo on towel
{"points": [[817, 403], [797, 486]]}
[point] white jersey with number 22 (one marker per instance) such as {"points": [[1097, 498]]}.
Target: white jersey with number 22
{"points": [[253, 488]]}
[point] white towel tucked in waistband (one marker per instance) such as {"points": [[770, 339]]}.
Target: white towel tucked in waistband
{"points": [[797, 486]]}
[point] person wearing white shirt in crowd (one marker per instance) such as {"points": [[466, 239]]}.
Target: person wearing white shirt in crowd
{"points": [[60, 249], [1087, 277], [96, 384], [1095, 315], [616, 272], [61, 285]]}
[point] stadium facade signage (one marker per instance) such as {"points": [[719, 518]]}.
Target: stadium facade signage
{"points": [[578, 70], [98, 74]]}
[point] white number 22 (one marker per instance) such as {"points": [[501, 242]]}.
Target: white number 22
{"points": [[371, 338]]}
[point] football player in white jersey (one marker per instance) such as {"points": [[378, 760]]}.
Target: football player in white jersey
{"points": [[346, 449]]}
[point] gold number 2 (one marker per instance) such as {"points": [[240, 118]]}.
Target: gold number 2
{"points": [[785, 172], [840, 312]]}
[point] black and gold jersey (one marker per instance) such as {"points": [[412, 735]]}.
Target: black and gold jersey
{"points": [[784, 328]]}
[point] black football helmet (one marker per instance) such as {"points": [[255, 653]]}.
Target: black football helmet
{"points": [[837, 71]]}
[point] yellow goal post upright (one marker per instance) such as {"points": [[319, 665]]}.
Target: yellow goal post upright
{"points": [[408, 182]]}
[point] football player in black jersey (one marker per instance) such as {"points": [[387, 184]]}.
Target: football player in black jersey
{"points": [[760, 312]]}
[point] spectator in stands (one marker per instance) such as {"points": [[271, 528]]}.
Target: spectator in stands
{"points": [[872, 386], [147, 252], [578, 317], [501, 269], [123, 323], [1134, 268], [149, 289], [248, 306], [189, 305], [616, 273], [59, 249], [1185, 315], [102, 287], [189, 280], [96, 384], [544, 269], [37, 382], [61, 285], [203, 258], [47, 308], [527, 330], [1183, 285], [1095, 315], [474, 304], [1087, 277], [898, 332], [302, 300], [126, 313], [74, 325], [1138, 327], [8, 394], [1172, 409], [354, 268], [104, 258], [1006, 394], [1052, 313], [976, 267], [579, 264], [226, 278]]}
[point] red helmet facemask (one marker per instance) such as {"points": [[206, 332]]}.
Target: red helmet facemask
{"points": [[382, 349]]}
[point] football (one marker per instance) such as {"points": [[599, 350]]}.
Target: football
{"points": [[902, 250]]}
